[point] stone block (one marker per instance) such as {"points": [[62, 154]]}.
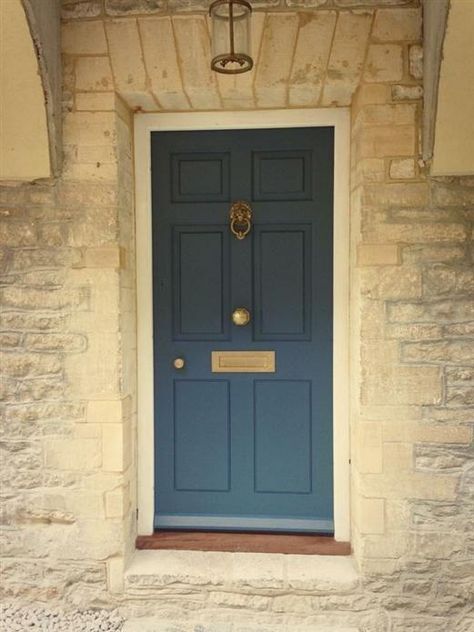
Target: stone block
{"points": [[121, 8], [407, 93], [397, 25], [439, 352], [391, 283], [416, 233], [73, 454], [405, 385], [415, 61], [413, 331], [402, 169], [371, 512], [22, 365], [194, 53], [105, 411], [89, 128], [95, 101], [381, 141], [347, 57], [117, 502], [193, 6], [384, 63], [56, 342], [387, 114], [311, 57], [368, 449], [274, 64], [370, 94], [161, 62], [127, 63], [407, 485], [116, 447], [84, 38], [378, 254], [103, 257], [96, 372], [115, 574], [14, 234], [79, 10], [94, 74], [256, 570]]}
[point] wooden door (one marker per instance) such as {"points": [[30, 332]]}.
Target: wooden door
{"points": [[243, 450]]}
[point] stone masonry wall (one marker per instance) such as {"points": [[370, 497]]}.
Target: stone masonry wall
{"points": [[67, 327]]}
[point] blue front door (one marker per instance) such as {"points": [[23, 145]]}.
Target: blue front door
{"points": [[240, 444]]}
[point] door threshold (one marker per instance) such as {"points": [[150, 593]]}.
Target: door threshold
{"points": [[242, 542]]}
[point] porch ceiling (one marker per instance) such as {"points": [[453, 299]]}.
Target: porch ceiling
{"points": [[314, 53]]}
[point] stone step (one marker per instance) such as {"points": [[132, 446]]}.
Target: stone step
{"points": [[317, 574], [200, 591], [156, 625]]}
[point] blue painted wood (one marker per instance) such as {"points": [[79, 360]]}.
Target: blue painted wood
{"points": [[243, 451], [201, 435]]}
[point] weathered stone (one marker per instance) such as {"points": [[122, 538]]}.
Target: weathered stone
{"points": [[84, 38], [14, 233], [129, 7], [407, 93], [416, 62], [384, 63], [439, 458], [402, 169], [397, 24], [162, 64], [452, 351], [75, 9], [311, 56], [459, 396]]}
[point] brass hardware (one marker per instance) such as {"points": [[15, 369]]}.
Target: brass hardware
{"points": [[243, 361], [178, 363], [240, 219], [241, 316]]}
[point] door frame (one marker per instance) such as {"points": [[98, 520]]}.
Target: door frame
{"points": [[144, 125]]}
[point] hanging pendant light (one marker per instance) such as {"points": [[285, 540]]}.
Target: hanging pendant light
{"points": [[231, 36]]}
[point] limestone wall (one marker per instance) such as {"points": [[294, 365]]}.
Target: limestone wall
{"points": [[68, 352]]}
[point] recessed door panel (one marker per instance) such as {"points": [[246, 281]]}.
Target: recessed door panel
{"points": [[200, 295], [282, 273], [283, 428], [282, 175], [200, 177], [201, 435]]}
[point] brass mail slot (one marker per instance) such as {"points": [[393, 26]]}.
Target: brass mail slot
{"points": [[243, 361]]}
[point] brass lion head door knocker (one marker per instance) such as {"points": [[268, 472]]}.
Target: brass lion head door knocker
{"points": [[240, 219]]}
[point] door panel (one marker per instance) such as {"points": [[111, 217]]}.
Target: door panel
{"points": [[283, 426], [282, 284], [243, 450], [201, 265], [201, 435]]}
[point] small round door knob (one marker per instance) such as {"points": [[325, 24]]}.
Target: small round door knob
{"points": [[240, 316], [178, 363]]}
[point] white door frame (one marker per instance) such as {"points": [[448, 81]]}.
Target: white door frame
{"points": [[339, 118]]}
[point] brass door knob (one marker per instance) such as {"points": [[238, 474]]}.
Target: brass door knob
{"points": [[240, 316], [178, 363]]}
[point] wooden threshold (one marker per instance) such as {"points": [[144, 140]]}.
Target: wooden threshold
{"points": [[244, 542]]}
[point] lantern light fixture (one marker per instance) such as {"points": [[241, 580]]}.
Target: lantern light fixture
{"points": [[231, 36]]}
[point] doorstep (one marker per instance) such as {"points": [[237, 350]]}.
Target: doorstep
{"points": [[155, 625], [236, 571]]}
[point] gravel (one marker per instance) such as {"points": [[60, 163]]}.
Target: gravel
{"points": [[15, 618]]}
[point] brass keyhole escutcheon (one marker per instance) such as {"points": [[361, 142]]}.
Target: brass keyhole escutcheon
{"points": [[240, 219], [241, 316], [178, 363]]}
